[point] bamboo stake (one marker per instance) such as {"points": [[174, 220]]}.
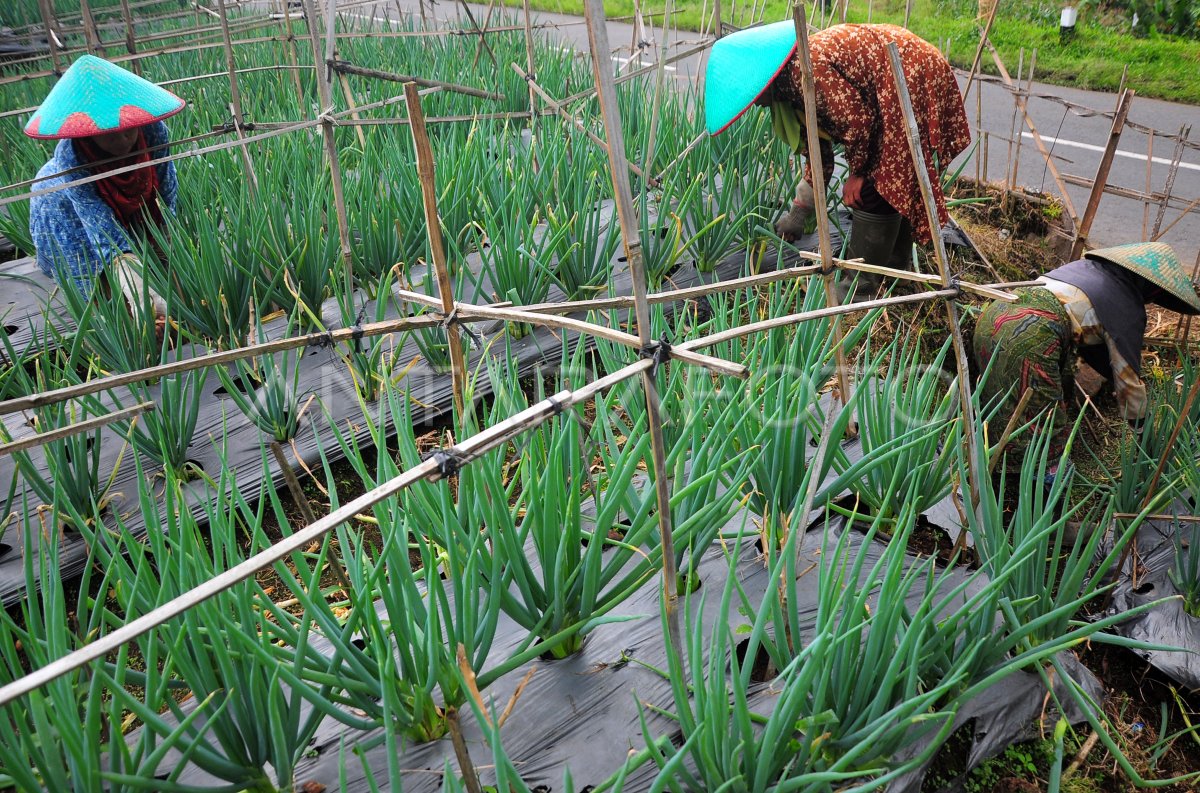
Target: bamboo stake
{"points": [[1068, 205], [606, 92], [290, 47], [458, 366], [108, 382], [590, 92], [487, 20], [91, 35], [1184, 131], [354, 114], [470, 778], [429, 470], [908, 4], [718, 26], [47, 12], [1012, 130], [130, 37], [1110, 149], [1149, 185], [943, 263], [566, 114], [40, 439], [803, 316], [817, 167], [533, 112], [549, 320], [235, 96], [326, 119], [345, 67], [1016, 162], [1152, 487], [478, 31], [168, 158], [325, 338], [1184, 334], [656, 109], [978, 126]]}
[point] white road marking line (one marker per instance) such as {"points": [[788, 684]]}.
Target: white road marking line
{"points": [[1133, 155], [640, 62]]}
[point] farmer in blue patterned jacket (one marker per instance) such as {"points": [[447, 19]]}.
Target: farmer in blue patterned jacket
{"points": [[105, 119]]}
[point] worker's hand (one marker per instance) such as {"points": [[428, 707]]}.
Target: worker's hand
{"points": [[790, 226], [852, 190]]}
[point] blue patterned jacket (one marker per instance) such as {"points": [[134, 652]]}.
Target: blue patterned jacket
{"points": [[76, 234]]}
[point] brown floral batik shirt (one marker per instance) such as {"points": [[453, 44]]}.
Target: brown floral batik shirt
{"points": [[858, 106]]}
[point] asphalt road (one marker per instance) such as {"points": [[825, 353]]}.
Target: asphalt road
{"points": [[1076, 139]]}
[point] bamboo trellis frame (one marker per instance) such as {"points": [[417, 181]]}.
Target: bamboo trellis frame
{"points": [[468, 450]]}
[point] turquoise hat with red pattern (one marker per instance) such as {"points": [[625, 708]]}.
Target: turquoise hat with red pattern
{"points": [[94, 97], [740, 67]]}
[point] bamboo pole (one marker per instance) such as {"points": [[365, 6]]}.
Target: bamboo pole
{"points": [[606, 92], [464, 452], [57, 434], [290, 47], [943, 263], [90, 34], [1110, 149], [533, 97], [804, 316], [325, 338], [978, 129], [168, 158], [47, 13], [130, 37], [1152, 487], [1169, 188], [478, 31], [235, 98], [297, 493], [1016, 162], [1068, 205], [53, 396], [425, 166], [579, 125], [345, 67], [348, 92], [817, 167], [656, 108], [1012, 130], [325, 117], [1149, 186], [549, 320]]}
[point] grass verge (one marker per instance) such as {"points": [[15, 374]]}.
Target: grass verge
{"points": [[1160, 66]]}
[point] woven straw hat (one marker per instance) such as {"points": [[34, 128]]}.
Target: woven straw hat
{"points": [[94, 96], [1158, 263], [740, 67]]}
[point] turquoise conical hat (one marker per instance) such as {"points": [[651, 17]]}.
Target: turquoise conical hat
{"points": [[94, 96], [1158, 263], [740, 67]]}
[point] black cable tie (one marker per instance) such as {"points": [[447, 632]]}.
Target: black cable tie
{"points": [[658, 351], [448, 461], [956, 285], [556, 405], [356, 336]]}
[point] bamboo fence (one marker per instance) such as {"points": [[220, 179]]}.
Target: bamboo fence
{"points": [[941, 287]]}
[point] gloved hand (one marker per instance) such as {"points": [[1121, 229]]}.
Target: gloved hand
{"points": [[791, 225], [127, 272]]}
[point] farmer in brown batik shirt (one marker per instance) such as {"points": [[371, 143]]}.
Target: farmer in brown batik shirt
{"points": [[857, 106]]}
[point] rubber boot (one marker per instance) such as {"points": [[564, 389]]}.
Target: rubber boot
{"points": [[872, 239]]}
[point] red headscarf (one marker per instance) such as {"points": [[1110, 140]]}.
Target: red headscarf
{"points": [[131, 195]]}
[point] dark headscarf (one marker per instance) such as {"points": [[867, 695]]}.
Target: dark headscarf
{"points": [[1119, 297]]}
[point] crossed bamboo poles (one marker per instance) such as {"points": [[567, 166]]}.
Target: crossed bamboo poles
{"points": [[652, 353]]}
